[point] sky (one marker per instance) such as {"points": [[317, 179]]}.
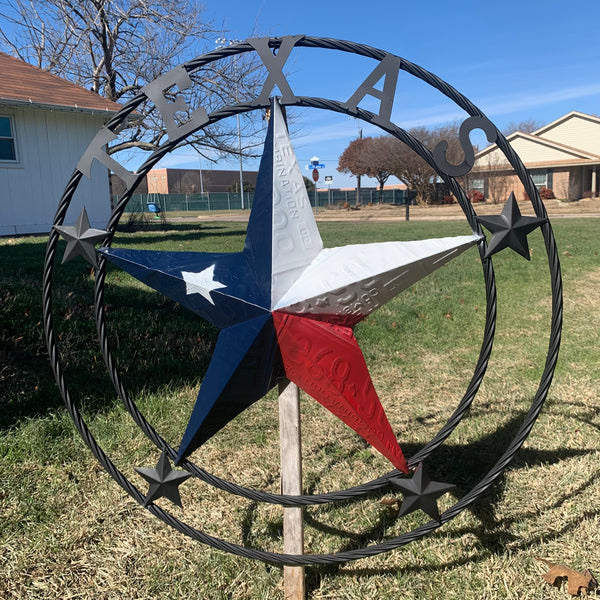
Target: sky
{"points": [[515, 60]]}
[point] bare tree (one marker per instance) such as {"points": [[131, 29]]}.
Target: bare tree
{"points": [[499, 177], [527, 126], [354, 160], [380, 154], [115, 47], [370, 156], [383, 156], [414, 171]]}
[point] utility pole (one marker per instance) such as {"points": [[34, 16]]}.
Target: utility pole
{"points": [[221, 43], [358, 176]]}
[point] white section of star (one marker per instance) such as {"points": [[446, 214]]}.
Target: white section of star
{"points": [[357, 279], [296, 240], [202, 283], [351, 281]]}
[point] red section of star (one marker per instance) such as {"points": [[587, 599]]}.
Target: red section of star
{"points": [[325, 360], [346, 320]]}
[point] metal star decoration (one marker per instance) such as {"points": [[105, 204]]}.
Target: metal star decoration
{"points": [[421, 493], [510, 229], [81, 239], [163, 480], [286, 306]]}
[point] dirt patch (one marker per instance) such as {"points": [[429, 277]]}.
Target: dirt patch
{"points": [[587, 207], [555, 208]]}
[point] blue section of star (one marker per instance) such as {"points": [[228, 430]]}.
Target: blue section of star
{"points": [[259, 236], [246, 362], [245, 365], [239, 300]]}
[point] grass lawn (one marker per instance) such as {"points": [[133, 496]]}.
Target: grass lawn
{"points": [[67, 530]]}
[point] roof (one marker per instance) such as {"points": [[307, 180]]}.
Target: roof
{"points": [[570, 115], [23, 84], [575, 152], [552, 138]]}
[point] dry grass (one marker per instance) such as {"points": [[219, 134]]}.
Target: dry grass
{"points": [[555, 208], [68, 531]]}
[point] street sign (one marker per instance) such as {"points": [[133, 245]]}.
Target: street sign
{"points": [[328, 178], [317, 166], [315, 175]]}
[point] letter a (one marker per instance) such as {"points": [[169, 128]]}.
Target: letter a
{"points": [[388, 68]]}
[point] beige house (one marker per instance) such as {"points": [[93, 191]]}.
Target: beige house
{"points": [[563, 156]]}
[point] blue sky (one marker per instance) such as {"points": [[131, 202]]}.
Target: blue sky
{"points": [[515, 60]]}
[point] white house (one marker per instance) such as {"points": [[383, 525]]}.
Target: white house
{"points": [[563, 156], [46, 123]]}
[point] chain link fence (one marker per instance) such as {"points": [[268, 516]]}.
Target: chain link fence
{"points": [[210, 201]]}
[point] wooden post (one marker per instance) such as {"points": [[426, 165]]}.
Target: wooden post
{"points": [[291, 483]]}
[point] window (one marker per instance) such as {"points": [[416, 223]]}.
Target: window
{"points": [[8, 150], [477, 183], [542, 178], [539, 177]]}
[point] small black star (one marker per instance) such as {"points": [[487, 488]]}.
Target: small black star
{"points": [[421, 493], [163, 480], [510, 229], [81, 239]]}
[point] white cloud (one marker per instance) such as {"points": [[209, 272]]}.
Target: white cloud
{"points": [[514, 103]]}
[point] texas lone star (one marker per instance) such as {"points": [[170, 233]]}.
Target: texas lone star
{"points": [[286, 306]]}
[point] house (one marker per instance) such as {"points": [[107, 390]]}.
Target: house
{"points": [[563, 156], [46, 124]]}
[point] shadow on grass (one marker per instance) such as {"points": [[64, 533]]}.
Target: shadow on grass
{"points": [[464, 465], [181, 232], [139, 332], [314, 575], [570, 405], [492, 541], [141, 324]]}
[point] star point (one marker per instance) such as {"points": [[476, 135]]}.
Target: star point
{"points": [[163, 480], [421, 493], [81, 239], [510, 229]]}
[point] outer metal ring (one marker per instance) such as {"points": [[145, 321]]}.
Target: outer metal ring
{"points": [[366, 488]]}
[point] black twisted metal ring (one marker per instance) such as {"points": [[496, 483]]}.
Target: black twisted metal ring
{"points": [[436, 441]]}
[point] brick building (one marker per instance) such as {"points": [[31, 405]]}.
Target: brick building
{"points": [[193, 181]]}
